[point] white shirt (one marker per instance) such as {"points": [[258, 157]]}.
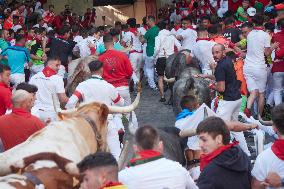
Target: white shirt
{"points": [[191, 122], [267, 162], [203, 52], [16, 27], [44, 26], [165, 44], [48, 88], [159, 174], [178, 32], [137, 45], [78, 38], [257, 41], [189, 38], [84, 48], [95, 89], [142, 30]]}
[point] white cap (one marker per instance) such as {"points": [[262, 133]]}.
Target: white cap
{"points": [[251, 11]]}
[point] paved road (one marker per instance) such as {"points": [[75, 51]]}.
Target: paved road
{"points": [[151, 111]]}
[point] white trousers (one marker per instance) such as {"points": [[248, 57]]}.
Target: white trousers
{"points": [[150, 71], [136, 62], [229, 110], [113, 139], [17, 78], [278, 84], [124, 93], [256, 78]]}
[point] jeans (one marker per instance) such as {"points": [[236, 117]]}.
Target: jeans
{"points": [[278, 78]]}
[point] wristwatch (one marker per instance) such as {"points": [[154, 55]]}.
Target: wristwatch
{"points": [[282, 182]]}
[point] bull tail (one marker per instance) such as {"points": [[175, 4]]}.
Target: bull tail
{"points": [[64, 164]]}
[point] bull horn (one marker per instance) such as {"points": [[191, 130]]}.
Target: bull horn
{"points": [[171, 80], [125, 109], [187, 133], [130, 108], [68, 111]]}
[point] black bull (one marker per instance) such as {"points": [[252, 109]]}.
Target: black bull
{"points": [[182, 66]]}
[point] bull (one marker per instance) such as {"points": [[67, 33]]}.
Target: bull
{"points": [[78, 72], [180, 69], [79, 133], [49, 175]]}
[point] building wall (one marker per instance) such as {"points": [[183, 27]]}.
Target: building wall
{"points": [[111, 13]]}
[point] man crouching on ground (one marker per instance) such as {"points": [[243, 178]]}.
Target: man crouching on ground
{"points": [[221, 159]]}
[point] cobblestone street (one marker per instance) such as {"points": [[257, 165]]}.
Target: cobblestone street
{"points": [[151, 111]]}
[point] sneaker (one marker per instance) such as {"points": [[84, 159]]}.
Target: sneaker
{"points": [[163, 99], [247, 112]]}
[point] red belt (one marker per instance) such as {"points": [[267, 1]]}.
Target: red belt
{"points": [[134, 51]]}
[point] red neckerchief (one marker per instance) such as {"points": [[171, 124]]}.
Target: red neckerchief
{"points": [[111, 184], [203, 38], [134, 31], [258, 28], [48, 72], [145, 156], [10, 39], [205, 159], [238, 23], [18, 45], [29, 38], [21, 112], [177, 27], [146, 27], [61, 37], [278, 148]]}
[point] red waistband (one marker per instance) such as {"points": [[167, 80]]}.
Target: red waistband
{"points": [[134, 51]]}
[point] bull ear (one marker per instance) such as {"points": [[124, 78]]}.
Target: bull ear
{"points": [[103, 113]]}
